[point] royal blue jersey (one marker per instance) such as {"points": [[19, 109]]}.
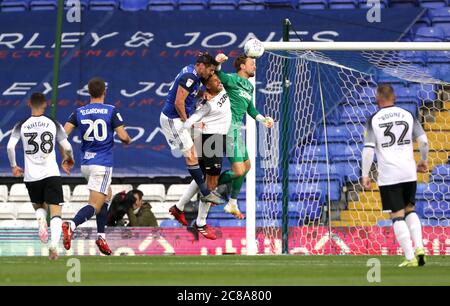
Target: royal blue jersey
{"points": [[96, 123], [189, 80]]}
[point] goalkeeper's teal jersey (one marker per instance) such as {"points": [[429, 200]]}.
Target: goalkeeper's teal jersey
{"points": [[240, 91]]}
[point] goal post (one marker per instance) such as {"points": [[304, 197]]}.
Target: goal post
{"points": [[319, 94]]}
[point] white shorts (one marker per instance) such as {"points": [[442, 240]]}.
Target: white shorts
{"points": [[177, 137], [98, 177]]}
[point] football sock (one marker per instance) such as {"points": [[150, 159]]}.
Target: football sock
{"points": [[84, 214], [56, 229], [237, 185], [101, 219], [197, 175], [41, 214], [415, 229], [187, 196], [203, 209], [226, 177], [403, 237]]}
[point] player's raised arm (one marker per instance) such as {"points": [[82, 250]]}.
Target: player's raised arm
{"points": [[368, 153], [11, 149], [420, 136]]}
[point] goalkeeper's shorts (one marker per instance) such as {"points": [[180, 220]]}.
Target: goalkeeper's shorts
{"points": [[236, 148]]}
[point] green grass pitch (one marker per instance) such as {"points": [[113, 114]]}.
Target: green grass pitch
{"points": [[222, 270]]}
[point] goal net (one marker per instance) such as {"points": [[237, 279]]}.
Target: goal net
{"points": [[319, 101]]}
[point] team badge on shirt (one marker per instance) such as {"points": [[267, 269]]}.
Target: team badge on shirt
{"points": [[189, 82]]}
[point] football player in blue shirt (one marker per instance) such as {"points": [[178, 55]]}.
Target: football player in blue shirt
{"points": [[180, 104], [96, 123]]}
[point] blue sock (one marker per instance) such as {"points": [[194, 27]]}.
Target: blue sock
{"points": [[197, 175], [101, 219], [84, 214]]}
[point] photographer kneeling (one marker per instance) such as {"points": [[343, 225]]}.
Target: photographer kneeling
{"points": [[130, 203]]}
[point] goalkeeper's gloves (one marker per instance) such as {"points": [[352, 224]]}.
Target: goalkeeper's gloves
{"points": [[267, 121]]}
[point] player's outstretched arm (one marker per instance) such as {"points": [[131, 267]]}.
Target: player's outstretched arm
{"points": [[267, 121], [122, 134]]}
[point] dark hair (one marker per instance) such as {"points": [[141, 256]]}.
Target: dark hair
{"points": [[241, 59], [207, 59], [96, 87], [138, 192], [37, 99], [385, 92]]}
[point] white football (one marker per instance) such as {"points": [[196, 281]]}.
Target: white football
{"points": [[254, 48]]}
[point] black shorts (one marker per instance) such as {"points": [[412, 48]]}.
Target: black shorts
{"points": [[48, 190], [397, 197], [212, 153]]}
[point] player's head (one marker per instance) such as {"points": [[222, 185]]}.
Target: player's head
{"points": [[206, 65], [97, 88], [385, 95], [246, 65], [38, 101], [213, 84]]}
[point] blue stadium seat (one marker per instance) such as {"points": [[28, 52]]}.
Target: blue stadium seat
{"points": [[310, 210], [230, 223], [403, 3], [405, 93], [440, 174], [436, 209], [268, 223], [306, 190], [429, 34], [339, 133], [103, 5], [43, 5], [355, 132], [312, 151], [425, 92], [383, 76], [133, 5], [14, 5], [162, 5], [435, 222], [438, 57], [223, 4], [416, 57], [436, 191], [192, 5], [364, 5], [170, 223], [441, 15], [409, 106], [280, 4], [312, 4], [251, 5], [431, 4], [343, 4], [354, 114]]}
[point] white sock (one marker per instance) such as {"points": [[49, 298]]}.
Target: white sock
{"points": [[232, 202], [404, 238], [103, 235], [187, 196], [72, 225], [203, 209], [415, 228], [56, 229], [41, 214]]}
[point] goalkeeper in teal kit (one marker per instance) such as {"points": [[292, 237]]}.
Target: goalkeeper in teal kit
{"points": [[240, 92]]}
